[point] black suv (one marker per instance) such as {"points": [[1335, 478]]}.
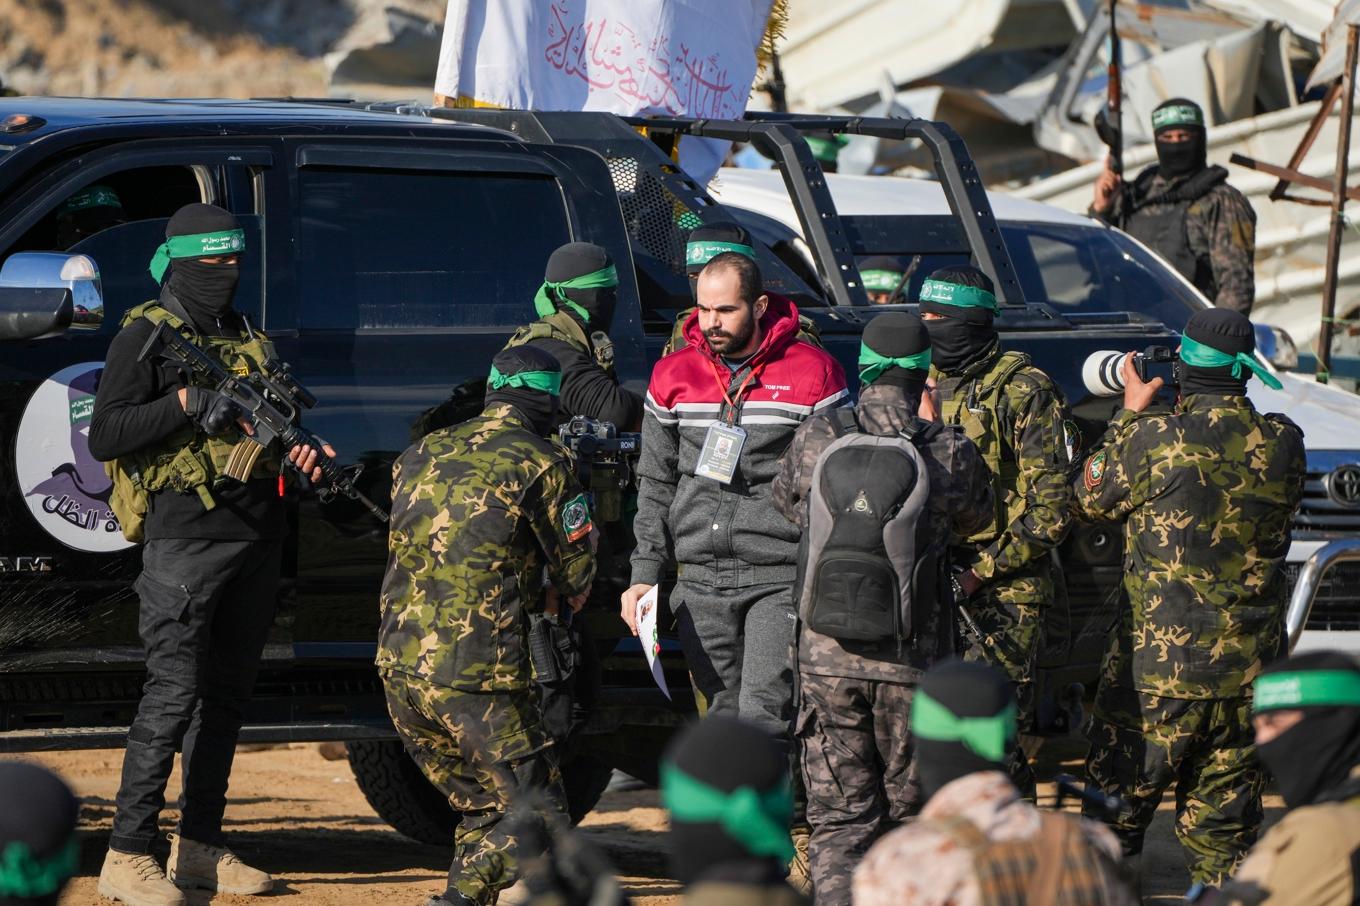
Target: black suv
{"points": [[390, 253]]}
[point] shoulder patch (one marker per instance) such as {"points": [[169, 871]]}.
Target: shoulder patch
{"points": [[576, 522], [1095, 471]]}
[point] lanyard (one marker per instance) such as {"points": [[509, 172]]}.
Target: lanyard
{"points": [[734, 406]]}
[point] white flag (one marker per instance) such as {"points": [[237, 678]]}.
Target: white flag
{"points": [[671, 57]]}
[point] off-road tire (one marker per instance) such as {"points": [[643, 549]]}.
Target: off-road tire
{"points": [[402, 797]]}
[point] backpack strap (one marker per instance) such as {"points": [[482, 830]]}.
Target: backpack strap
{"points": [[921, 432], [843, 421]]}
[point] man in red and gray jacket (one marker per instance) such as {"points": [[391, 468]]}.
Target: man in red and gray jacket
{"points": [[718, 415]]}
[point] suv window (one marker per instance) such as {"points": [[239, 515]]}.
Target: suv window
{"points": [[421, 249], [122, 239], [1076, 269]]}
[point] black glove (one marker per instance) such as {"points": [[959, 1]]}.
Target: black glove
{"points": [[211, 411]]}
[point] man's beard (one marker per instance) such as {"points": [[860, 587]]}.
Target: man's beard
{"points": [[729, 344]]}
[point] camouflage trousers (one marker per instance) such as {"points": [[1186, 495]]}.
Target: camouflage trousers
{"points": [[858, 769], [1010, 618], [1143, 744], [479, 749]]}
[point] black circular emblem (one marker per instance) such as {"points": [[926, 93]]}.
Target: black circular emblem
{"points": [[1343, 485]]}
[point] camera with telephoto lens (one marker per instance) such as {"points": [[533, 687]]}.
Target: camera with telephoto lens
{"points": [[1103, 375]]}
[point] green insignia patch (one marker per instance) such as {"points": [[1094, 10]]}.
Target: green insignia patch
{"points": [[576, 523], [1095, 471]]}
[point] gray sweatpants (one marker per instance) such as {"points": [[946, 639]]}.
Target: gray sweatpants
{"points": [[739, 646]]}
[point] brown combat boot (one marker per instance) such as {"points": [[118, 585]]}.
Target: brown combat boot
{"points": [[216, 868], [137, 880]]}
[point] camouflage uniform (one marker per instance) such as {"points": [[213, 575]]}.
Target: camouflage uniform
{"points": [[1210, 237], [1014, 413], [479, 510], [856, 696], [936, 860], [1207, 495]]}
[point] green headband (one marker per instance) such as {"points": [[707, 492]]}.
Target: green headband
{"points": [[826, 150], [1196, 353], [1178, 115], [880, 281], [544, 302], [24, 875], [872, 364], [986, 736], [701, 251], [93, 197], [545, 381], [1306, 689], [957, 295], [759, 820], [196, 245]]}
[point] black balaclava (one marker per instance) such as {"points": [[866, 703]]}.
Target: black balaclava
{"points": [[727, 755], [1177, 159], [85, 213], [706, 242], [576, 259], [1227, 331], [963, 336], [883, 274], [205, 290], [1316, 755], [537, 406], [965, 689], [37, 832], [896, 335]]}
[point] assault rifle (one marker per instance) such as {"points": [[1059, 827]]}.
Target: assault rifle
{"points": [[1110, 121], [605, 460], [272, 401]]}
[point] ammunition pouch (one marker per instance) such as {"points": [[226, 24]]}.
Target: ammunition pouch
{"points": [[555, 657]]}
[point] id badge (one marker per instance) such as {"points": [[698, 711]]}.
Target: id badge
{"points": [[721, 452]]}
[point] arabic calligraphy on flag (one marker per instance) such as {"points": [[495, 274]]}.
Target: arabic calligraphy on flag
{"points": [[670, 57]]}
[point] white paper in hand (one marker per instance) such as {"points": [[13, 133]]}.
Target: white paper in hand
{"points": [[651, 645]]}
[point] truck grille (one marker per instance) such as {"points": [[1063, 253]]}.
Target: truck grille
{"points": [[1337, 605], [1320, 513]]}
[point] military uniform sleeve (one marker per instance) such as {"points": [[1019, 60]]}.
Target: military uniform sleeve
{"points": [[1228, 226], [1040, 444], [791, 485], [560, 516], [1309, 857], [972, 506], [130, 410], [587, 389], [658, 478], [1112, 481]]}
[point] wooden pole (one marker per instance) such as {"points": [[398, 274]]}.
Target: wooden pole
{"points": [[1338, 225]]}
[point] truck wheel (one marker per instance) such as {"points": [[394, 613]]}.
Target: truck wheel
{"points": [[402, 797]]}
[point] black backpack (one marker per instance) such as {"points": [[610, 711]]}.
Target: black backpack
{"points": [[867, 560]]}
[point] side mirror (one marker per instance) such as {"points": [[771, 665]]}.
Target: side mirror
{"points": [[1276, 346], [44, 293]]}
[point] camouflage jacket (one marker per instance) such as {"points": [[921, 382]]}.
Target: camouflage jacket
{"points": [[960, 503], [1215, 247], [478, 510], [1207, 496], [923, 863], [1020, 430]]}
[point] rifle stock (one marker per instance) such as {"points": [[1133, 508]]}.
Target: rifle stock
{"points": [[271, 408]]}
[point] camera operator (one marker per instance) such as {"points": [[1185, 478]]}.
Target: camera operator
{"points": [[1207, 495]]}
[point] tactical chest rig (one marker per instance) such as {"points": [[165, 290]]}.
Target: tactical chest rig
{"points": [[190, 461]]}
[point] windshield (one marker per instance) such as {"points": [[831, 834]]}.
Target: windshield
{"points": [[1076, 269]]}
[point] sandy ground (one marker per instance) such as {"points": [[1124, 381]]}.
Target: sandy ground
{"points": [[302, 818]]}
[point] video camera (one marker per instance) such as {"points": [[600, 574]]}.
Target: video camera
{"points": [[605, 462], [1103, 375]]}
